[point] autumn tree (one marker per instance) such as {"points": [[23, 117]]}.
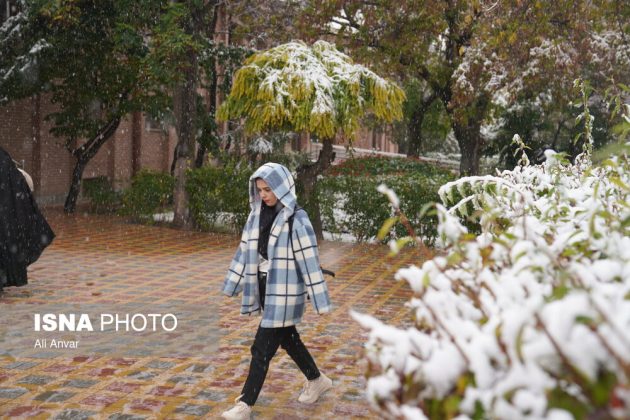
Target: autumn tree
{"points": [[412, 40], [207, 60], [100, 61], [473, 56], [315, 89], [590, 43], [96, 61], [186, 98]]}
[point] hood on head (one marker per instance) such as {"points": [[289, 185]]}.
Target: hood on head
{"points": [[279, 179]]}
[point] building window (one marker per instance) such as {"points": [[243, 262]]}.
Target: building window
{"points": [[8, 8], [152, 123]]}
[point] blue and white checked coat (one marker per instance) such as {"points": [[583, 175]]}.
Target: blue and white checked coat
{"points": [[294, 272]]}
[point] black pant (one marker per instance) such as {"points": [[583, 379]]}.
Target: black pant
{"points": [[264, 348]]}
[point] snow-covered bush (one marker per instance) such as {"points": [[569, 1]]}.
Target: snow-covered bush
{"points": [[529, 319]]}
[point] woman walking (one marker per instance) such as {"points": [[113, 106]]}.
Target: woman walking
{"points": [[276, 266]]}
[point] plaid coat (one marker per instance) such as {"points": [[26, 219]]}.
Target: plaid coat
{"points": [[294, 271]]}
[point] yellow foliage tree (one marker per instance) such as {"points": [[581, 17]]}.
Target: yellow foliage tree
{"points": [[315, 89], [318, 89]]}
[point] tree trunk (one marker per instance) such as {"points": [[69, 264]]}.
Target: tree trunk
{"points": [[185, 99], [181, 218], [470, 146], [185, 106], [201, 155], [466, 125], [83, 155], [554, 143], [307, 180], [212, 109], [415, 133], [75, 186], [415, 126], [212, 91]]}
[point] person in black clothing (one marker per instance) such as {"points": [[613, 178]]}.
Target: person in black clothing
{"points": [[24, 233]]}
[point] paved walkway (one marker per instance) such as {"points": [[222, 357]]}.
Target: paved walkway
{"points": [[101, 265]]}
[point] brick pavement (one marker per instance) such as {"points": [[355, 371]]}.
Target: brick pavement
{"points": [[102, 264]]}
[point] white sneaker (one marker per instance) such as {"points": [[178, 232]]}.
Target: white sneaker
{"points": [[241, 411], [313, 389]]}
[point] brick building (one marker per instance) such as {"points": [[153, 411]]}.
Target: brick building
{"points": [[138, 143]]}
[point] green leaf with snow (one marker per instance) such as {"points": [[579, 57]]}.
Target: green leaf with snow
{"points": [[387, 226]]}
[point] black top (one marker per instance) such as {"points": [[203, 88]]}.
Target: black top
{"points": [[24, 233], [267, 216]]}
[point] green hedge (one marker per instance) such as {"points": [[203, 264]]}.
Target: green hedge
{"points": [[347, 195], [223, 192], [361, 210], [103, 198], [215, 192], [383, 165], [149, 193]]}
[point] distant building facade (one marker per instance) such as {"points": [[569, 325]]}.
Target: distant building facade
{"points": [[138, 143]]}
